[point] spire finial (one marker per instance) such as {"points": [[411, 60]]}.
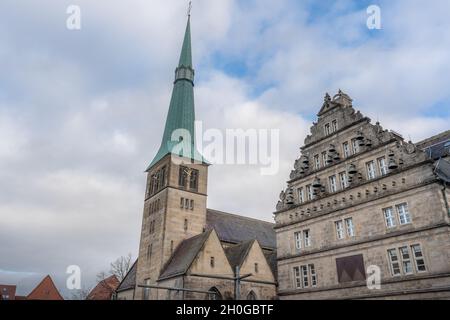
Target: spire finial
{"points": [[189, 9]]}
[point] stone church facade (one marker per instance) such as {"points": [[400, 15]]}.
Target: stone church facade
{"points": [[187, 251], [361, 200]]}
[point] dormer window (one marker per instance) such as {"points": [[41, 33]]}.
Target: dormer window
{"points": [[327, 129], [334, 125], [346, 149], [355, 146], [316, 162]]}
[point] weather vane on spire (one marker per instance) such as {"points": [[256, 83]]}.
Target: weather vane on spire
{"points": [[189, 8]]}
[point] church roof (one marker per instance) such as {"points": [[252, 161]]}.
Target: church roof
{"points": [[236, 254], [236, 229], [181, 116], [184, 255], [130, 279]]}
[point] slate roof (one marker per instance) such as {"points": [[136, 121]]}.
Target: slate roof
{"points": [[236, 254], [271, 257], [236, 229], [184, 255], [442, 169], [436, 146], [129, 281]]}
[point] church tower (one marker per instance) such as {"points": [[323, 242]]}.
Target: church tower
{"points": [[176, 192]]}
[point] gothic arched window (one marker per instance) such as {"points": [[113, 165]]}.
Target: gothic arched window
{"points": [[251, 296], [214, 296]]}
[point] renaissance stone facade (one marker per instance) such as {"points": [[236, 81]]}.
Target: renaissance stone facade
{"points": [[361, 200], [186, 250]]}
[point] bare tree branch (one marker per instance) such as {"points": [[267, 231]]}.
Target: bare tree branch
{"points": [[121, 266]]}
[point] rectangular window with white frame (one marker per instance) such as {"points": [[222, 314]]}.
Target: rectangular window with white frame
{"points": [[349, 227], [401, 260], [339, 229], [382, 164], [389, 217], [324, 159], [355, 146], [371, 173], [316, 162], [403, 214], [297, 278], [418, 258], [302, 239], [343, 178], [406, 260], [305, 276], [309, 192], [346, 149], [307, 238], [333, 184], [298, 240], [301, 195], [312, 272], [394, 262]]}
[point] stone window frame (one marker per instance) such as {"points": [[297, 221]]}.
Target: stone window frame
{"points": [[371, 170], [301, 195], [416, 258], [307, 238], [302, 239], [334, 126], [212, 262], [343, 182], [332, 183], [392, 218], [309, 192], [383, 166], [305, 276], [355, 146], [349, 227], [404, 215], [324, 158], [341, 228], [346, 152], [412, 260], [327, 129], [316, 162], [297, 277], [298, 240]]}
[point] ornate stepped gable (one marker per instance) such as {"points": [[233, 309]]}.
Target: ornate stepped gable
{"points": [[336, 119]]}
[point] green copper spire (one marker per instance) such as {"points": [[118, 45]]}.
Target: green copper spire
{"points": [[179, 133], [186, 51]]}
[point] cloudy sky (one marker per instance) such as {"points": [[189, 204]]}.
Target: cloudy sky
{"points": [[82, 112]]}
